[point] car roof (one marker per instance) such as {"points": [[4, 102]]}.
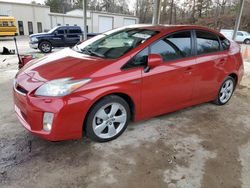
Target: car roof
{"points": [[65, 26], [164, 28]]}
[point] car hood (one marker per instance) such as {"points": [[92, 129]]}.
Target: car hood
{"points": [[63, 64], [39, 34]]}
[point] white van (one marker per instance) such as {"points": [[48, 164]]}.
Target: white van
{"points": [[242, 36]]}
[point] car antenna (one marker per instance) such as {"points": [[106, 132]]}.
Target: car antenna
{"points": [[17, 52]]}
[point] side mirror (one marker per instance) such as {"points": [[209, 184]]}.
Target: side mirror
{"points": [[154, 60], [56, 32]]}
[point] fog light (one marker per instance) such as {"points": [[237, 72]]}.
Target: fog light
{"points": [[47, 121]]}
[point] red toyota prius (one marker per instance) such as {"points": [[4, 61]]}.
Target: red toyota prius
{"points": [[123, 75]]}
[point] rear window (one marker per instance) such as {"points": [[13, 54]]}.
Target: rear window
{"points": [[5, 24], [207, 42]]}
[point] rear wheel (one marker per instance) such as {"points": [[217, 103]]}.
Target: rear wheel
{"points": [[107, 119], [45, 47], [247, 41], [226, 91]]}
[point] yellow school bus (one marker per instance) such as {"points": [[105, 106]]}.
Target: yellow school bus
{"points": [[7, 26]]}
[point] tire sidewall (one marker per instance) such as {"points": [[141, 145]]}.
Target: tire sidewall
{"points": [[218, 101], [40, 46], [247, 41], [90, 116]]}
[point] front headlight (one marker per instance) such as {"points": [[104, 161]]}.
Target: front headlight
{"points": [[34, 39], [60, 87]]}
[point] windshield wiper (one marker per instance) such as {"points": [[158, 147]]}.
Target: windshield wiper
{"points": [[91, 52]]}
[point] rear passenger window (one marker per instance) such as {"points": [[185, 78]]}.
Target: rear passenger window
{"points": [[207, 42], [174, 46], [74, 31]]}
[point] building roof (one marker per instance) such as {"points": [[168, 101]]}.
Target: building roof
{"points": [[27, 4], [80, 12]]}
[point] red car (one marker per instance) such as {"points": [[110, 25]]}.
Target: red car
{"points": [[131, 73]]}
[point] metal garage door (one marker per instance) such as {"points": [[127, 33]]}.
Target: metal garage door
{"points": [[105, 23], [129, 21]]}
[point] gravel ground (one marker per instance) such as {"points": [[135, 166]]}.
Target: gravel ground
{"points": [[200, 146]]}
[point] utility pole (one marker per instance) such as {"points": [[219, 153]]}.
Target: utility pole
{"points": [[171, 12], [237, 22], [84, 8], [156, 12]]}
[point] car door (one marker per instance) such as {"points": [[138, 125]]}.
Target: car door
{"points": [[210, 65], [58, 39], [72, 36], [240, 37], [169, 86]]}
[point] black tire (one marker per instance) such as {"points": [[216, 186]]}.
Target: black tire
{"points": [[247, 41], [45, 47], [218, 100], [89, 129]]}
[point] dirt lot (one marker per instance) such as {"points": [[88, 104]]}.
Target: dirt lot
{"points": [[201, 146]]}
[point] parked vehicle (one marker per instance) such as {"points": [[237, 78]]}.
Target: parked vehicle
{"points": [[242, 36], [132, 73], [61, 36], [7, 26]]}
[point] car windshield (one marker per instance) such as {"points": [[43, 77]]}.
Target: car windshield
{"points": [[52, 30], [114, 44]]}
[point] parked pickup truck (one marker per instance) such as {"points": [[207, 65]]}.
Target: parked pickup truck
{"points": [[61, 36], [242, 36]]}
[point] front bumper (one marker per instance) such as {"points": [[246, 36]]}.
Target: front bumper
{"points": [[33, 45], [69, 113]]}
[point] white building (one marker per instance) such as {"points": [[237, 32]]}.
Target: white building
{"points": [[33, 18]]}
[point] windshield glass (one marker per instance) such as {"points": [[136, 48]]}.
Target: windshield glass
{"points": [[52, 30], [115, 44]]}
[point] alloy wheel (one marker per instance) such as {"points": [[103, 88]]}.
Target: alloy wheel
{"points": [[226, 91], [109, 120], [45, 47]]}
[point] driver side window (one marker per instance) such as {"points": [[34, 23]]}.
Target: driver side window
{"points": [[60, 32]]}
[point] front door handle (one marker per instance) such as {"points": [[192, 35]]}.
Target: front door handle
{"points": [[188, 70], [222, 61]]}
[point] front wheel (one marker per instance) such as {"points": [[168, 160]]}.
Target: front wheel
{"points": [[45, 47], [247, 41], [226, 91], [107, 119]]}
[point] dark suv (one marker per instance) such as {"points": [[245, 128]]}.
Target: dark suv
{"points": [[61, 36]]}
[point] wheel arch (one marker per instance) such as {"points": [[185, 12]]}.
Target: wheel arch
{"points": [[246, 39], [44, 40], [235, 77], [124, 96]]}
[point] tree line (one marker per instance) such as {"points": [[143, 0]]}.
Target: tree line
{"points": [[216, 14]]}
